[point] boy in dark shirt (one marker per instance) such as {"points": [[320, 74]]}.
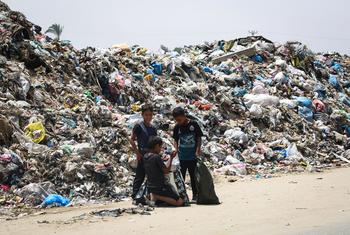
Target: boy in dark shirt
{"points": [[155, 170], [187, 135], [141, 134]]}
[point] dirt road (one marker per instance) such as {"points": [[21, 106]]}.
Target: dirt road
{"points": [[316, 203]]}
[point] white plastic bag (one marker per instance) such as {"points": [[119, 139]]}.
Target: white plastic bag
{"points": [[261, 99], [256, 111]]}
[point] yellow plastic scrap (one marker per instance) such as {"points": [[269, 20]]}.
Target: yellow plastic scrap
{"points": [[35, 131], [295, 61], [148, 77], [71, 103], [135, 107], [228, 45]]}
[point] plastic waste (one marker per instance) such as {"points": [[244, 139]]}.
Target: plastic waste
{"points": [[293, 152], [261, 99], [205, 185], [157, 68], [237, 134], [289, 103], [319, 105], [208, 70], [239, 92], [35, 131], [256, 111], [304, 101], [257, 58], [306, 113], [259, 89], [56, 200], [337, 67], [344, 99]]}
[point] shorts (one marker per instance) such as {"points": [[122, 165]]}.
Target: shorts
{"points": [[165, 191]]}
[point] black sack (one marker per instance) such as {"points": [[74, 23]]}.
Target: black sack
{"points": [[205, 185], [142, 194]]}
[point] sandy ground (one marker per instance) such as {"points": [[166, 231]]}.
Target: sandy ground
{"points": [[303, 204]]}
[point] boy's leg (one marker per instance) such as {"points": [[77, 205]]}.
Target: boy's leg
{"points": [[183, 165], [139, 178], [191, 170], [169, 200]]}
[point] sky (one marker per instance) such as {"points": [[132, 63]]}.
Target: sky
{"points": [[323, 25]]}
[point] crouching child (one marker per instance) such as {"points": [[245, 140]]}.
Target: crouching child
{"points": [[155, 170]]}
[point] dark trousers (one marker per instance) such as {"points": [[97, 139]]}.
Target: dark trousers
{"points": [[139, 178], [190, 166]]}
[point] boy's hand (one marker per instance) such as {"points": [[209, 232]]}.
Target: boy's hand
{"points": [[173, 154], [138, 156], [165, 158], [198, 152]]}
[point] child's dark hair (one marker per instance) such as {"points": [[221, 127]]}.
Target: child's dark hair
{"points": [[179, 111], [153, 141], [146, 107]]}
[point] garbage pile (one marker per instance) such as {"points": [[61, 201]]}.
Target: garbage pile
{"points": [[66, 114]]}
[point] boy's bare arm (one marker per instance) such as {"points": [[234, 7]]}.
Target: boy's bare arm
{"points": [[134, 147], [176, 148], [167, 167], [199, 147]]}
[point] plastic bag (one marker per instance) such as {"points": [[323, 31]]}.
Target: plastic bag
{"points": [[157, 68], [306, 113], [26, 143], [257, 58], [35, 193], [142, 194], [205, 185], [35, 131], [256, 111], [344, 99], [333, 81], [259, 89], [304, 101], [239, 92], [261, 99], [237, 134], [178, 184], [293, 152], [55, 199], [289, 103], [320, 90]]}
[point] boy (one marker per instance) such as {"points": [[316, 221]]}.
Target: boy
{"points": [[188, 139], [155, 170], [141, 134]]}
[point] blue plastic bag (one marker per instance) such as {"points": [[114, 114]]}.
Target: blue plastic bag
{"points": [[320, 90], [306, 113], [138, 76], [333, 81], [257, 58], [347, 130], [344, 99], [239, 92], [337, 67], [208, 70], [56, 199], [157, 68], [317, 64], [303, 101]]}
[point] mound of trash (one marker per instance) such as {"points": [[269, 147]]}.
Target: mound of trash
{"points": [[66, 114]]}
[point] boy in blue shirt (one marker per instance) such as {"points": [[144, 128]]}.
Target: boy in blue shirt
{"points": [[188, 140]]}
